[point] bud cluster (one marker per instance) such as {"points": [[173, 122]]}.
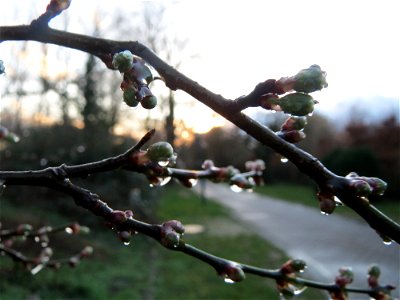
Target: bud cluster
{"points": [[289, 270], [298, 103], [171, 233], [292, 130], [137, 76], [365, 186]]}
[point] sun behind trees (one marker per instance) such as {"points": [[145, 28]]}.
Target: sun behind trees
{"points": [[290, 95]]}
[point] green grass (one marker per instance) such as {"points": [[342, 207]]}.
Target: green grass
{"points": [[144, 269], [147, 270], [306, 195]]}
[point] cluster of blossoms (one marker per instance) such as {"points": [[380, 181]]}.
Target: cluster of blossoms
{"points": [[298, 103], [136, 78]]}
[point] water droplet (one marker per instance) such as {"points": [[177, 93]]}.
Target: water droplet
{"points": [[193, 181], [310, 114], [163, 163], [80, 148], [37, 269], [387, 241], [235, 188], [284, 160], [69, 230], [44, 244], [299, 291], [127, 243], [337, 201], [324, 213], [37, 239], [228, 280], [43, 162], [2, 187], [164, 181]]}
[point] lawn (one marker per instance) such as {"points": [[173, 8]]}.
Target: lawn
{"points": [[144, 269], [307, 195]]}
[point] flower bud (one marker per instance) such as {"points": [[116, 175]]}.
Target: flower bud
{"points": [[118, 217], [160, 151], [241, 181], [294, 123], [123, 61], [149, 102], [234, 272], [171, 232], [293, 266], [361, 187], [297, 104], [374, 271], [293, 136], [310, 80], [129, 97], [377, 185], [344, 277]]}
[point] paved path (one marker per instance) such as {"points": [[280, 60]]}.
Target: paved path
{"points": [[326, 243]]}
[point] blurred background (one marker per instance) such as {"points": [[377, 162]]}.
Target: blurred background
{"points": [[66, 107]]}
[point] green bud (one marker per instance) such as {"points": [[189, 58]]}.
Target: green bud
{"points": [[294, 123], [161, 151], [297, 104], [378, 185], [310, 80], [298, 265], [374, 271], [123, 61], [129, 96], [149, 102]]}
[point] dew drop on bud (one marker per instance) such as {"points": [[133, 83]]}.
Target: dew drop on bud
{"points": [[337, 201], [193, 181], [387, 241], [163, 163], [127, 243], [164, 181], [324, 213], [235, 188], [228, 280], [69, 230], [284, 160]]}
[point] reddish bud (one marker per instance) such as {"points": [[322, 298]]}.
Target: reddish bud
{"points": [[293, 136], [361, 187], [232, 272], [118, 217], [294, 123]]}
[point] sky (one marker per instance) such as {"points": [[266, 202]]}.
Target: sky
{"points": [[233, 45]]}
